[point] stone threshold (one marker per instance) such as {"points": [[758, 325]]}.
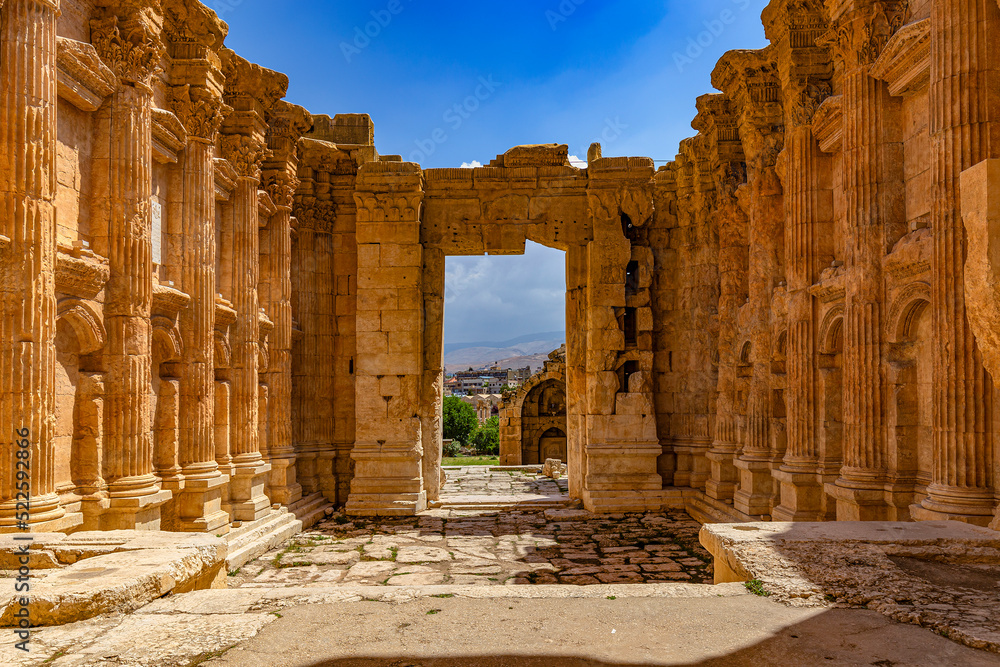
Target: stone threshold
{"points": [[246, 600]]}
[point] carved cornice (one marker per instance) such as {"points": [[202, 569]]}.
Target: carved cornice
{"points": [[801, 21], [905, 63], [169, 136], [80, 272], [130, 49], [84, 81], [251, 90], [168, 301], [245, 154], [200, 111], [828, 124], [286, 125], [193, 31], [225, 179]]}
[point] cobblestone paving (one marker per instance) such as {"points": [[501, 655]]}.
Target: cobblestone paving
{"points": [[488, 548]]}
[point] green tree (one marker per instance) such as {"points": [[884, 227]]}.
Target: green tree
{"points": [[459, 419], [486, 440]]}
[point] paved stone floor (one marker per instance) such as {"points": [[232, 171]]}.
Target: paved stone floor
{"points": [[467, 548], [515, 542], [492, 487]]}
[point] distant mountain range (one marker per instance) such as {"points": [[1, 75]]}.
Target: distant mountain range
{"points": [[531, 349]]}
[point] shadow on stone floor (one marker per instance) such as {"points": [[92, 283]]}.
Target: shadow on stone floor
{"points": [[487, 548], [833, 637]]}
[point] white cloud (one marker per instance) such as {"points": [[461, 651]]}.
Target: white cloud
{"points": [[577, 162], [502, 297], [471, 165]]}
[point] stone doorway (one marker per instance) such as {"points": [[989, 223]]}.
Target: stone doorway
{"points": [[409, 220]]}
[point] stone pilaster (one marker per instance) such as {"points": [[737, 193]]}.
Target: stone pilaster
{"points": [[388, 453], [964, 131], [872, 184], [130, 47], [28, 100], [245, 153], [200, 503]]}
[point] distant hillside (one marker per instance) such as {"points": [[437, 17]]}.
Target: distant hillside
{"points": [[532, 349]]}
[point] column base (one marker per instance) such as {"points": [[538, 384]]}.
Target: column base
{"points": [[801, 496], [282, 486], [856, 502], [389, 504], [199, 506], [974, 506], [753, 498], [325, 476], [135, 513], [247, 499], [725, 478]]}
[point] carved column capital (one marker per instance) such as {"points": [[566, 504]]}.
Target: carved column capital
{"points": [[200, 111], [858, 37], [281, 187], [128, 47], [812, 93], [245, 153]]}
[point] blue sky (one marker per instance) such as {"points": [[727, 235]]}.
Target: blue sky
{"points": [[491, 75]]}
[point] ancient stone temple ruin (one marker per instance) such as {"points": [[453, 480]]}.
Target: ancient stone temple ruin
{"points": [[533, 418], [215, 306]]}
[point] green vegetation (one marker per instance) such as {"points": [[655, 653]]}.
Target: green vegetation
{"points": [[460, 420], [756, 586], [486, 439], [471, 461]]}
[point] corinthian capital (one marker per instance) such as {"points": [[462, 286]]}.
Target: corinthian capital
{"points": [[245, 153], [859, 36], [129, 48], [199, 110]]}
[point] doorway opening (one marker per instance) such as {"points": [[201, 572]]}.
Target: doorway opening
{"points": [[504, 402]]}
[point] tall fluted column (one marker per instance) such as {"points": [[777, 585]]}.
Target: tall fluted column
{"points": [[809, 211], [27, 255], [245, 153], [750, 80], [125, 225], [282, 484], [287, 124], [872, 188], [200, 504], [963, 129]]}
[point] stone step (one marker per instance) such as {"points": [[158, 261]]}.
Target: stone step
{"points": [[311, 510], [255, 538]]}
